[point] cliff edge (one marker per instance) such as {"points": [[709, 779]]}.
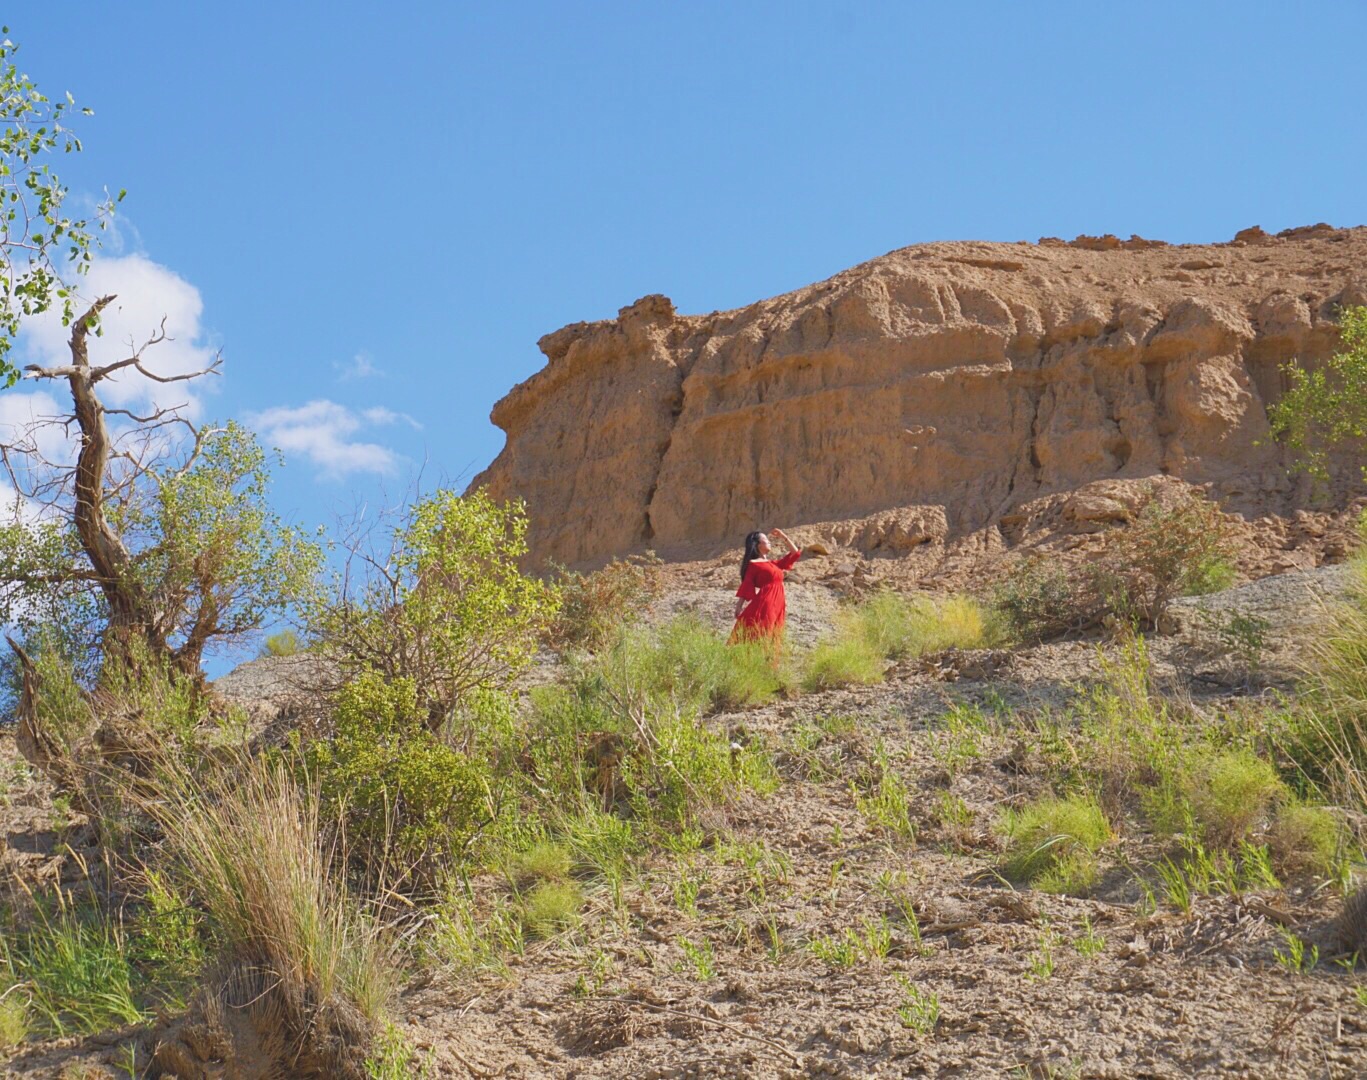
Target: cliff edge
{"points": [[951, 382]]}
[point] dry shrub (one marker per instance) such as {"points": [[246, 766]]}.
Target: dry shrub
{"points": [[595, 607], [1179, 544], [302, 977]]}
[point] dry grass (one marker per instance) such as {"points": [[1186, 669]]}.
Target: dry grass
{"points": [[249, 844]]}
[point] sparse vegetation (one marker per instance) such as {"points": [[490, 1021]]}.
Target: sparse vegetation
{"points": [[1177, 544], [886, 802], [1089, 943], [887, 627], [920, 1009], [700, 957], [1040, 964], [596, 607], [1296, 957]]}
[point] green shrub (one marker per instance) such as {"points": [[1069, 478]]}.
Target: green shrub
{"points": [[401, 790], [612, 744], [1230, 793], [686, 767], [1131, 744], [167, 942], [886, 622], [447, 606], [896, 626], [61, 700], [1053, 842], [1325, 407], [1213, 573], [393, 1057], [168, 703], [1042, 599], [845, 660], [1177, 544], [885, 802], [595, 607], [1305, 839]]}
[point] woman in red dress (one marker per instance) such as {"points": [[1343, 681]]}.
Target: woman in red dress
{"points": [[760, 603]]}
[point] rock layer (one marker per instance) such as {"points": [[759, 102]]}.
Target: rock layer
{"points": [[951, 382]]}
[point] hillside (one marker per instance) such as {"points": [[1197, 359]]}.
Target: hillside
{"points": [[808, 930]]}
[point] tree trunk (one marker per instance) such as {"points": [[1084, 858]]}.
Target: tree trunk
{"points": [[131, 622]]}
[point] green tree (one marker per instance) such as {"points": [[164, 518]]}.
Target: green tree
{"points": [[446, 606], [1326, 407], [283, 643], [156, 541], [41, 247]]}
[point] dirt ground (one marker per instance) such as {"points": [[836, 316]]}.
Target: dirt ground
{"points": [[707, 966]]}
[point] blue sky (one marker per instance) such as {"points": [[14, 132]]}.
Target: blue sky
{"points": [[378, 209]]}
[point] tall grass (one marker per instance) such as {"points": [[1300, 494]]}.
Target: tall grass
{"points": [[1330, 741], [66, 973], [686, 661], [249, 844]]}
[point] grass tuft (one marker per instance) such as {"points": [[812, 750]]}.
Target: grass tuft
{"points": [[1306, 839], [1228, 792], [552, 906], [249, 845], [1053, 843]]}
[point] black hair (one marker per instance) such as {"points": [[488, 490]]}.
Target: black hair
{"points": [[751, 552]]}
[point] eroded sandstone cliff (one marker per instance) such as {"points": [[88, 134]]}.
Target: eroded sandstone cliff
{"points": [[951, 382]]}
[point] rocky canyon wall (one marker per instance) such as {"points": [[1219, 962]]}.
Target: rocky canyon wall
{"points": [[952, 381]]}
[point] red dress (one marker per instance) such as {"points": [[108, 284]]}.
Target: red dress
{"points": [[763, 616]]}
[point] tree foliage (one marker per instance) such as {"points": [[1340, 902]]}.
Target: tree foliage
{"points": [[39, 241], [447, 605], [208, 557], [154, 538], [1326, 407]]}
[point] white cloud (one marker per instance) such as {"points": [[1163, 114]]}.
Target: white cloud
{"points": [[146, 293], [361, 366], [324, 433], [23, 421], [378, 414]]}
